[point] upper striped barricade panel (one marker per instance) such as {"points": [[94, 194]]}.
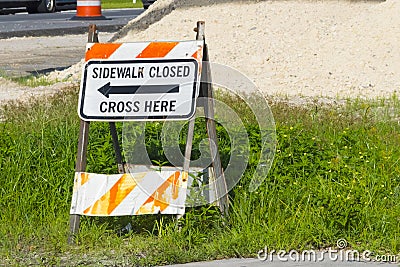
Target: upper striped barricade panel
{"points": [[129, 51], [139, 193]]}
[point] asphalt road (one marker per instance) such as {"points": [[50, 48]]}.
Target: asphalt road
{"points": [[53, 24], [54, 41]]}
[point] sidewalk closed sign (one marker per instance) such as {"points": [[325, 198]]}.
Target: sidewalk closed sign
{"points": [[140, 88]]}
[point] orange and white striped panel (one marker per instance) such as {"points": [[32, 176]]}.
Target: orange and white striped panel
{"points": [[129, 194], [142, 50]]}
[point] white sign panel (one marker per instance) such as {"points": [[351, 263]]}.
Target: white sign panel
{"points": [[140, 89]]}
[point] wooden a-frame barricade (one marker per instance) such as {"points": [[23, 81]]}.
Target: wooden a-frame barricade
{"points": [[205, 101]]}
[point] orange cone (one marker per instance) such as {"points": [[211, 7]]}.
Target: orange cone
{"points": [[88, 10]]}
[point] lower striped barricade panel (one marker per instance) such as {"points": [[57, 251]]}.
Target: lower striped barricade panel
{"points": [[129, 194]]}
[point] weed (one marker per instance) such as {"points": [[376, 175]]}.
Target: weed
{"points": [[30, 80]]}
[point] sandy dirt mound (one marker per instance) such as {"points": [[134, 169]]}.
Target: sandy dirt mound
{"points": [[322, 48]]}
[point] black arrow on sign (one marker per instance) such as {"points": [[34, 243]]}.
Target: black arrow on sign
{"points": [[109, 89]]}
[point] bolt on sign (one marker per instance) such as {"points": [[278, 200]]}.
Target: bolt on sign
{"points": [[140, 81]]}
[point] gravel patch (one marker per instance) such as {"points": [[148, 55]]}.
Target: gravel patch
{"points": [[13, 91], [39, 55]]}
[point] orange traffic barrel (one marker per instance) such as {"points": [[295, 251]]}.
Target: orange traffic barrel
{"points": [[88, 10]]}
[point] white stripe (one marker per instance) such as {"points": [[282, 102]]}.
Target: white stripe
{"points": [[184, 49], [129, 50], [89, 3], [88, 46]]}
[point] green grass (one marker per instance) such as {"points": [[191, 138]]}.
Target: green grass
{"points": [[335, 175], [109, 4], [29, 80], [33, 81]]}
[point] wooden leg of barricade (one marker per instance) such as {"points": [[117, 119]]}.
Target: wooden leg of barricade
{"points": [[218, 179], [81, 159], [117, 148], [189, 139], [188, 151]]}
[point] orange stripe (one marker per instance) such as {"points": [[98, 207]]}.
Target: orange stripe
{"points": [[110, 200], [197, 55], [158, 198], [175, 185], [157, 49], [84, 177], [101, 51]]}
